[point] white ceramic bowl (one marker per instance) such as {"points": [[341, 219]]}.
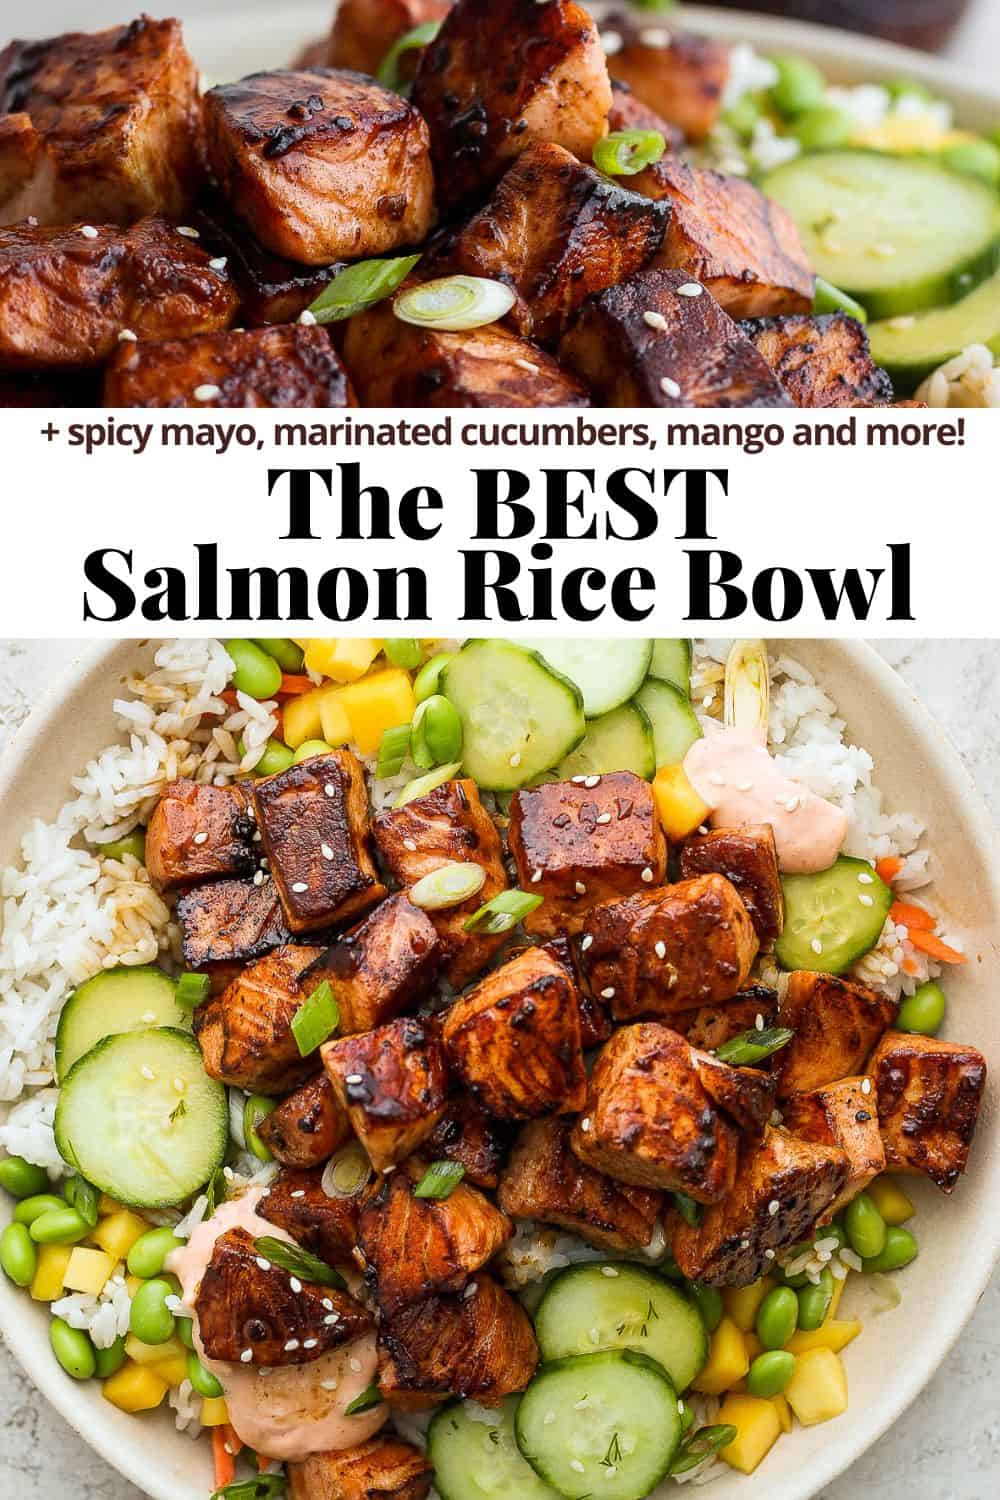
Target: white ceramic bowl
{"points": [[898, 1351]]}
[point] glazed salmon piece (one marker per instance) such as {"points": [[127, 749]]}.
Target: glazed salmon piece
{"points": [[503, 74], [199, 832], [322, 166], [327, 1227], [836, 1022], [384, 1468], [472, 1139], [708, 1026], [929, 1095], [381, 967], [843, 1114], [245, 1034], [679, 75], [630, 112], [227, 923], [365, 31], [102, 126], [393, 1084], [821, 361], [748, 858], [271, 288], [307, 1127]]}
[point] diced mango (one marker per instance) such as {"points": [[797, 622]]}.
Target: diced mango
{"points": [[833, 1335], [118, 1233], [784, 1411], [342, 659], [106, 1206], [47, 1283], [758, 1428], [890, 1200], [334, 722], [153, 1354], [88, 1270], [135, 1388], [743, 1302], [300, 719], [680, 808], [132, 1284], [173, 1369], [727, 1360], [380, 702], [817, 1391], [214, 1412]]}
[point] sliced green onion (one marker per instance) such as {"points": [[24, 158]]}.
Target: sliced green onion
{"points": [[261, 1487], [503, 912], [437, 733], [80, 1195], [623, 153], [216, 1191], [298, 1262], [449, 885], [748, 685], [421, 785], [388, 73], [370, 1396], [440, 1180], [697, 1446], [360, 286], [660, 5], [315, 1019], [689, 1210], [393, 748], [256, 1109], [192, 989], [753, 1046], [408, 654], [828, 298], [455, 303], [347, 1172], [427, 680]]}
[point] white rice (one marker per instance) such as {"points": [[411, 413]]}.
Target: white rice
{"points": [[970, 379]]}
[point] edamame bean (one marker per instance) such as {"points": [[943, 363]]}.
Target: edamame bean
{"points": [[18, 1255], [285, 652], [404, 652], [22, 1179], [255, 673], [708, 1301], [109, 1361], [30, 1209], [84, 1198], [148, 1255], [277, 757], [256, 1109], [61, 1226], [203, 1380], [151, 1319], [185, 1332], [770, 1373], [975, 159], [308, 749], [425, 684], [800, 85], [900, 1248], [133, 843], [73, 1349], [821, 128], [815, 1300], [436, 735], [923, 1011], [777, 1317], [866, 1228]]}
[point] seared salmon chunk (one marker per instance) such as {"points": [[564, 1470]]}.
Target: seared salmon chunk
{"points": [[678, 947], [313, 821], [447, 826], [514, 1039], [556, 231], [259, 367], [199, 832], [241, 1305], [708, 1026], [843, 1114], [681, 76], [581, 842], [384, 1468], [729, 1247], [595, 1022], [545, 1180], [503, 74], [630, 112], [410, 1247], [104, 126], [66, 295], [747, 857], [272, 289], [661, 340], [364, 31], [230, 922], [472, 1139], [821, 361], [307, 1127], [322, 166], [836, 1022], [245, 1034], [326, 1227], [379, 968], [929, 1093], [393, 1084]]}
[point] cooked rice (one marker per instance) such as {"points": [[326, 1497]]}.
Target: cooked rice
{"points": [[970, 379]]}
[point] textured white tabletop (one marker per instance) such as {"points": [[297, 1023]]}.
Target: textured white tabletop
{"points": [[946, 1447]]}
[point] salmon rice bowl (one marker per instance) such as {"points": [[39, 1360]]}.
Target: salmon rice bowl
{"points": [[428, 1059]]}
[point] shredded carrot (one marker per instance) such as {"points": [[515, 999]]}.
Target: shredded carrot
{"points": [[905, 914], [887, 869], [223, 1455], [228, 695], [909, 967], [294, 683], [933, 946]]}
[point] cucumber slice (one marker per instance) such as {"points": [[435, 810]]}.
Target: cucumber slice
{"points": [[588, 1308], [139, 1117], [606, 672], [910, 350], [117, 1000], [899, 233], [827, 925], [619, 741], [519, 716], [671, 662], [600, 1424], [477, 1460], [674, 722]]}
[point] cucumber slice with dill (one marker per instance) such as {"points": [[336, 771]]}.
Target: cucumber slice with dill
{"points": [[475, 1457], [673, 721], [899, 233], [832, 919], [614, 1305], [139, 1118], [911, 348], [117, 1000], [606, 672], [619, 741]]}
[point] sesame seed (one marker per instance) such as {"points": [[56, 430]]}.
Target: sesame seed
{"points": [[354, 1078], [690, 289], [515, 759], [577, 1466], [591, 781], [307, 318], [310, 1343], [265, 1265], [206, 392], [295, 1284], [126, 336], [866, 900], [609, 993], [299, 1193], [219, 263], [647, 875], [773, 1207], [329, 1385], [604, 818], [670, 387], [580, 888], [536, 876], [188, 232], [816, 945], [582, 1404], [585, 944], [330, 790], [147, 1072], [758, 1021], [88, 231], [200, 838], [708, 700], [655, 320], [327, 1304], [578, 780], [470, 1291], [299, 886], [716, 778], [291, 1346], [172, 1303], [866, 1085], [660, 949], [768, 1254], [355, 1366], [608, 1271], [585, 1125], [258, 878], [326, 851], [526, 366], [331, 1318], [865, 879], [744, 786], [247, 1356], [228, 1173], [410, 845], [149, 1017]]}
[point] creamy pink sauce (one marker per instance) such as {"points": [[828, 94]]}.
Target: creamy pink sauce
{"points": [[733, 773], [293, 1410]]}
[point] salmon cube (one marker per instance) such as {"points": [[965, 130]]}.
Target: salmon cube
{"points": [[393, 1084], [747, 857], [379, 968], [707, 1027], [324, 1226], [245, 1034], [843, 1114], [929, 1093], [384, 1468], [821, 361], [199, 832], [364, 31], [836, 1023], [679, 75], [307, 1127], [227, 923]]}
